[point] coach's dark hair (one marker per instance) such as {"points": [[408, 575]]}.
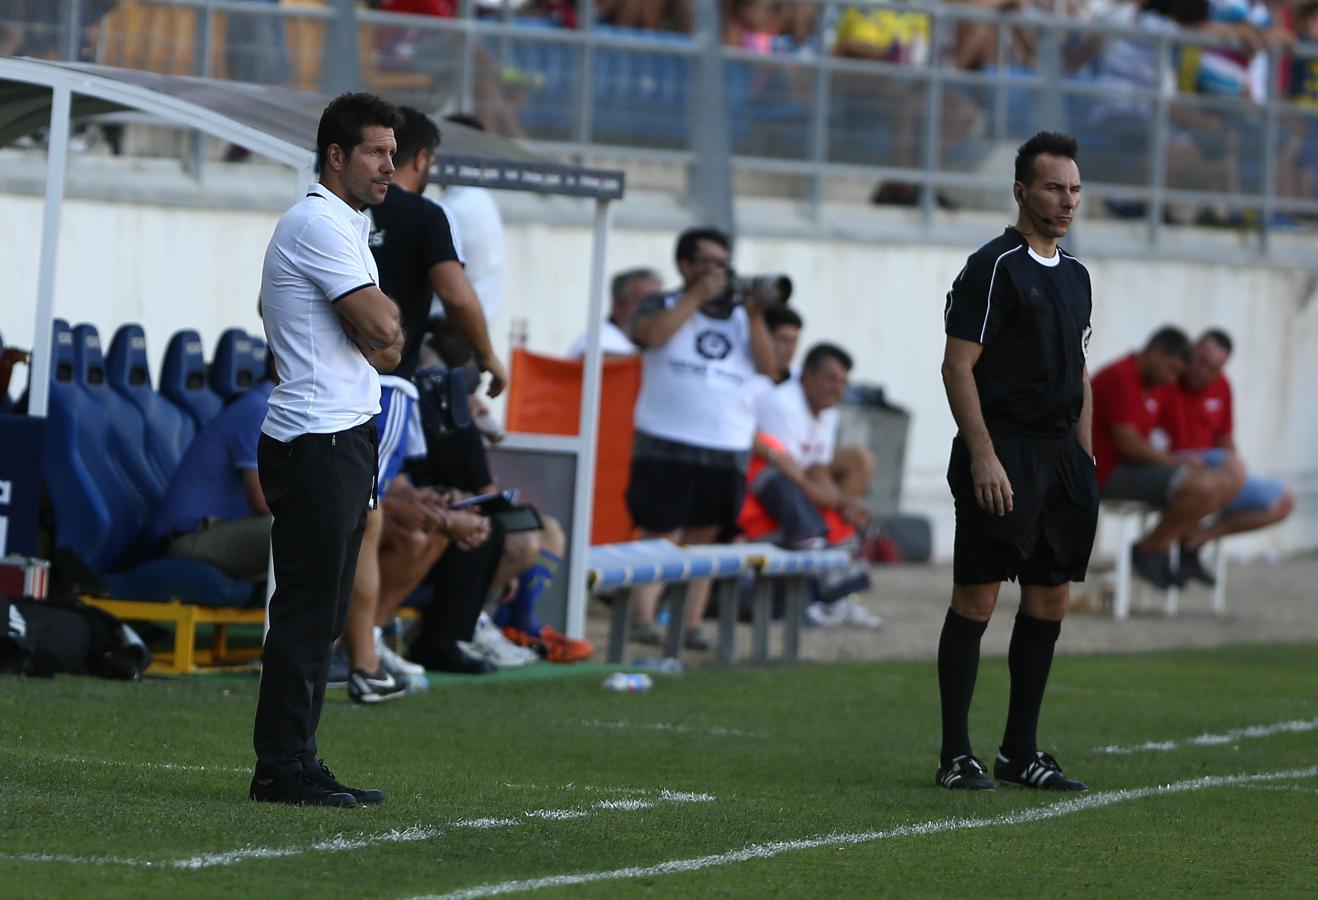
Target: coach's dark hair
{"points": [[781, 314], [1172, 341], [418, 132], [820, 352], [347, 114], [689, 239], [1049, 143], [1219, 337]]}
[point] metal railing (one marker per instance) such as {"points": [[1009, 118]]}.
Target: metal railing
{"points": [[817, 118]]}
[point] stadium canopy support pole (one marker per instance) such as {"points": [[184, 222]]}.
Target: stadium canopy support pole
{"points": [[56, 159], [588, 433]]}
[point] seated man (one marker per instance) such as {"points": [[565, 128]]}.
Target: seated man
{"points": [[810, 489], [1130, 467], [214, 509], [784, 325], [626, 292], [1196, 414]]}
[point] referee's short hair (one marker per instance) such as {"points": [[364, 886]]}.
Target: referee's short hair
{"points": [[780, 314], [1171, 341], [820, 352], [347, 114], [418, 132], [1219, 337], [688, 240], [1045, 143]]}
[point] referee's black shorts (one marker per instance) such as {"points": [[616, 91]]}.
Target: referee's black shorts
{"points": [[1047, 537]]}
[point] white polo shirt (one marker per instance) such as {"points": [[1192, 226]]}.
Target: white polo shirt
{"points": [[784, 413], [317, 256], [613, 340]]}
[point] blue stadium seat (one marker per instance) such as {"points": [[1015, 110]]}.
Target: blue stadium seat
{"points": [[169, 429], [258, 356], [232, 370], [96, 513], [125, 440], [183, 378]]}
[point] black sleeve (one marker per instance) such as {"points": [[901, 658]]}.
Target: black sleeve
{"points": [[980, 297], [437, 246]]}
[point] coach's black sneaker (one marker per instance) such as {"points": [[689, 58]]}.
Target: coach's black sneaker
{"points": [[1039, 771], [1155, 568], [380, 687], [298, 789], [964, 773], [1192, 567], [319, 773]]}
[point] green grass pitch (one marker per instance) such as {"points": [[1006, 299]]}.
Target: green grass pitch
{"points": [[810, 781]]}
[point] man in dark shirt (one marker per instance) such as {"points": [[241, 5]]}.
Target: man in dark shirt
{"points": [[1021, 470], [418, 255]]}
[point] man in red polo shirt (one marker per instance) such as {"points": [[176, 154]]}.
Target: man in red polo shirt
{"points": [[1195, 412], [1127, 408]]}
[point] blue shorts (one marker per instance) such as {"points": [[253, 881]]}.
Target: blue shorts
{"points": [[1256, 493], [399, 428]]}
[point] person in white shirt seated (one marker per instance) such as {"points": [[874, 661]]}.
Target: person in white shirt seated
{"points": [[626, 292], [785, 330], [803, 488]]}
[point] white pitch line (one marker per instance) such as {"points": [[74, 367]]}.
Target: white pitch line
{"points": [[715, 731], [164, 767], [340, 843], [937, 826], [665, 794], [1294, 726]]}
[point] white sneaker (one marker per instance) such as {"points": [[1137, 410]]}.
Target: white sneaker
{"points": [[489, 644], [823, 615], [853, 613], [402, 669]]}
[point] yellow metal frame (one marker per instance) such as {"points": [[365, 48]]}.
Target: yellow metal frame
{"points": [[187, 657]]}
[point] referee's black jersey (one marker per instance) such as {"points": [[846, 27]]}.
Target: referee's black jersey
{"points": [[1032, 316]]}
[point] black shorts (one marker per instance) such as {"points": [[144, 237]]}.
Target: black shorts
{"points": [[664, 495], [1047, 537]]}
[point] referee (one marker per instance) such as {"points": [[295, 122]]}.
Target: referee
{"points": [[330, 329], [1021, 470]]}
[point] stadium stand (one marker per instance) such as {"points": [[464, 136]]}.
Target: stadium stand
{"points": [[183, 378]]}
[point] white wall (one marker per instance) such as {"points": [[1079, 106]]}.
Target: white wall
{"points": [[172, 267]]}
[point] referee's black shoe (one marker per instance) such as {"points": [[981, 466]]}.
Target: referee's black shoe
{"points": [[1038, 771], [319, 773], [964, 773], [297, 788]]}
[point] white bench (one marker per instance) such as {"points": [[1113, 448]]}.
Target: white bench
{"points": [[768, 569], [1133, 520]]}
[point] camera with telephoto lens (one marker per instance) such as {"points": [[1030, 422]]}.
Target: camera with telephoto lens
{"points": [[770, 290]]}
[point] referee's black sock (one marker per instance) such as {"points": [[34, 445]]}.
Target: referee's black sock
{"points": [[1029, 658], [958, 664]]}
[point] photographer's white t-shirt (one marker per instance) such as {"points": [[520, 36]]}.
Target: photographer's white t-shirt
{"points": [[699, 388]]}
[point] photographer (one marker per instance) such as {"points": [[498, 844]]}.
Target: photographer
{"points": [[703, 347]]}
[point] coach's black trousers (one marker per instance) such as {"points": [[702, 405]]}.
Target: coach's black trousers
{"points": [[318, 487]]}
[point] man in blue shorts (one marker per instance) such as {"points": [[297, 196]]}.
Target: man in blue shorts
{"points": [[1197, 415]]}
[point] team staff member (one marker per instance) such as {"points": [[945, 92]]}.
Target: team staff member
{"points": [[695, 415], [1021, 471], [418, 254], [1196, 412], [331, 329], [1127, 403]]}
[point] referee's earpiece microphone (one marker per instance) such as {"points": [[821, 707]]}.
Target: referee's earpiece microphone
{"points": [[1020, 198]]}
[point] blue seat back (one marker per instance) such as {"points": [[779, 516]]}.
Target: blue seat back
{"points": [[125, 438], [232, 371], [82, 481], [258, 357], [169, 429], [183, 378]]}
